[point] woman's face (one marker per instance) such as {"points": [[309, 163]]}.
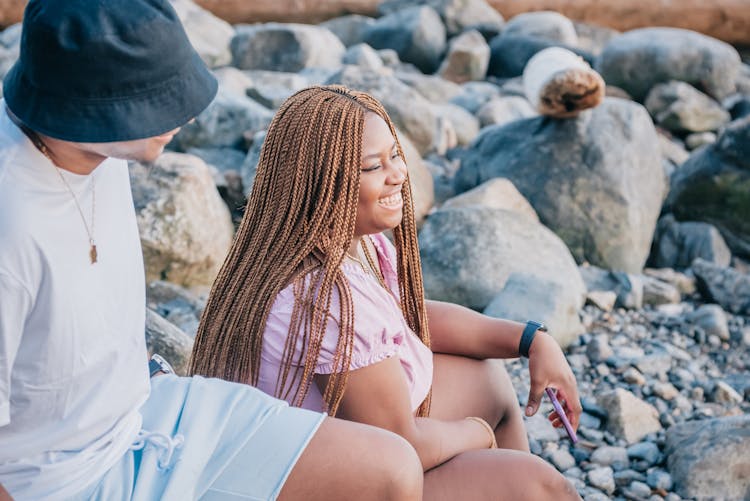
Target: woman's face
{"points": [[383, 172]]}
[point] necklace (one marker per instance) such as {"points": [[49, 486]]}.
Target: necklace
{"points": [[373, 266], [39, 144]]}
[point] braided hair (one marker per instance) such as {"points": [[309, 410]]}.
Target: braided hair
{"points": [[298, 224]]}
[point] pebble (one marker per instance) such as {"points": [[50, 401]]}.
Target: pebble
{"points": [[602, 478], [638, 490], [616, 457], [562, 459], [646, 451], [634, 376], [659, 479], [665, 391]]}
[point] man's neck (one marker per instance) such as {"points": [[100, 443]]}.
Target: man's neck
{"points": [[70, 156]]}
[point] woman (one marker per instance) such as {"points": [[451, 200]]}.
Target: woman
{"points": [[314, 305]]}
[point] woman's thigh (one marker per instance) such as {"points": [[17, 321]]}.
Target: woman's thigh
{"points": [[464, 387], [497, 475]]}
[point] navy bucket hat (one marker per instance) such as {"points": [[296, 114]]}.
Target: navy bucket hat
{"points": [[103, 71]]}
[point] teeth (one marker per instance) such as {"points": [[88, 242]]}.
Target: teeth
{"points": [[394, 199]]}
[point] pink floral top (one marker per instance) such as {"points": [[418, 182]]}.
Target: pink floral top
{"points": [[380, 332]]}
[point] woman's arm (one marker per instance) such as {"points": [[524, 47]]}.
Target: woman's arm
{"points": [[378, 395], [457, 330], [4, 496]]}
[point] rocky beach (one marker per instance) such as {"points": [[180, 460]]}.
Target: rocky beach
{"points": [[625, 226]]}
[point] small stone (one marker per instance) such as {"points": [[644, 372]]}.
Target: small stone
{"points": [[659, 479], [625, 477], [598, 349], [634, 376], [629, 417], [617, 457], [638, 489], [698, 139], [604, 300], [539, 428], [589, 421], [725, 394], [665, 391], [646, 451], [562, 459], [602, 370], [653, 364], [602, 478]]}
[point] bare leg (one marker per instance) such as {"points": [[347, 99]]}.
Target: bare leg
{"points": [[466, 387], [346, 460], [497, 475]]}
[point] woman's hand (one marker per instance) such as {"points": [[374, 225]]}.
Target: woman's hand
{"points": [[549, 369]]}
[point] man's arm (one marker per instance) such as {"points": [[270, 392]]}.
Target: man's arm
{"points": [[4, 496]]}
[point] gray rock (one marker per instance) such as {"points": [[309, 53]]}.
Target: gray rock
{"points": [[510, 53], [442, 171], [467, 59], [660, 479], [464, 123], [540, 429], [598, 349], [665, 391], [616, 457], [458, 15], [498, 193], [433, 88], [628, 288], [169, 341], [677, 245], [634, 376], [604, 300], [637, 490], [672, 150], [417, 33], [698, 139], [223, 123], [629, 417], [586, 186], [285, 47], [410, 112], [250, 164], [712, 319], [223, 159], [684, 283], [543, 24], [272, 88], [208, 34], [562, 459], [725, 286], [226, 164], [527, 296], [725, 394], [710, 459], [469, 253], [712, 186], [644, 451], [656, 363], [349, 29], [639, 59], [10, 37], [185, 228], [656, 292], [680, 107], [474, 94], [504, 109], [593, 38], [602, 478], [176, 305], [363, 55]]}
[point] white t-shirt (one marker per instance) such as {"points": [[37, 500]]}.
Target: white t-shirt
{"points": [[73, 360]]}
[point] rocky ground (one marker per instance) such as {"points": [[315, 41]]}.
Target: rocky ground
{"points": [[624, 229]]}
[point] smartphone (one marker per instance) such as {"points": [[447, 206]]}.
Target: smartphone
{"points": [[561, 413]]}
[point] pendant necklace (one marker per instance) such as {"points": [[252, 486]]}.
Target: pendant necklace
{"points": [[37, 141]]}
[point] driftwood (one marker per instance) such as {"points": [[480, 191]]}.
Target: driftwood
{"points": [[559, 83], [727, 20]]}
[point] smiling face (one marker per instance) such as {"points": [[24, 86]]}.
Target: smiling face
{"points": [[383, 172]]}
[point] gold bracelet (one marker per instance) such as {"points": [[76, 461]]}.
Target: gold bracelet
{"points": [[486, 426]]}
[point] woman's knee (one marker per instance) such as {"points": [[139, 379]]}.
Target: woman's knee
{"points": [[548, 483], [402, 471]]}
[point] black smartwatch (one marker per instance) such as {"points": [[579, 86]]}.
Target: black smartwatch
{"points": [[158, 364], [528, 336]]}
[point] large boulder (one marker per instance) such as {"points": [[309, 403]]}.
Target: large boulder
{"points": [[713, 186], [272, 88], [458, 15], [505, 109], [637, 60], [469, 253], [166, 339], [285, 47], [223, 123], [510, 53], [209, 35], [185, 228], [467, 59], [725, 286], [498, 193], [680, 107], [710, 459], [677, 245], [586, 178], [546, 24], [349, 29], [411, 112], [417, 33], [176, 305]]}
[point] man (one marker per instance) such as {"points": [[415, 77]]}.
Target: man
{"points": [[97, 83]]}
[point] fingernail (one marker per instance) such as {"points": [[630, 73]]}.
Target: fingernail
{"points": [[529, 410]]}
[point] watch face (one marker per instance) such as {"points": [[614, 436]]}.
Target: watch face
{"points": [[542, 328]]}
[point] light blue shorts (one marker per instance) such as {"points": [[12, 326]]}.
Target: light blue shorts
{"points": [[211, 440]]}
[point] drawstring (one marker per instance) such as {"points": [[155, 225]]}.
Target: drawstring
{"points": [[160, 440]]}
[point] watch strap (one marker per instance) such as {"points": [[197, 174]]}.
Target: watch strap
{"points": [[528, 336]]}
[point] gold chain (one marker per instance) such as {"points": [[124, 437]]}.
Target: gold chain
{"points": [[37, 141]]}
